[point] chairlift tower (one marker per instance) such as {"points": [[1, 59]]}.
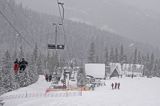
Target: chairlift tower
{"points": [[57, 46]]}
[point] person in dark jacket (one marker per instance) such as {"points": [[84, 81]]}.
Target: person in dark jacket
{"points": [[16, 66], [46, 77], [112, 85], [50, 78], [115, 85], [23, 64], [118, 85]]}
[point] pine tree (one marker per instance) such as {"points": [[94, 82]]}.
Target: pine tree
{"points": [[31, 74], [147, 65], [62, 62], [106, 56], [158, 71], [143, 57], [139, 58], [14, 56], [111, 57], [135, 56], [91, 58], [151, 66], [121, 57], [39, 65], [116, 55], [35, 54], [1, 76], [155, 68], [2, 89], [97, 59], [8, 80], [50, 62], [33, 67], [1, 84], [47, 61], [23, 79], [125, 59], [21, 54]]}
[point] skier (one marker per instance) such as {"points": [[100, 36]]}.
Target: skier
{"points": [[92, 87], [115, 85], [46, 77], [112, 85], [118, 85], [50, 78], [23, 64], [16, 66]]}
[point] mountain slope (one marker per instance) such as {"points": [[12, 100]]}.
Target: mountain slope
{"points": [[136, 19], [37, 28], [122, 19]]}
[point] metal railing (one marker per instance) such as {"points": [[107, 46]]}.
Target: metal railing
{"points": [[41, 95]]}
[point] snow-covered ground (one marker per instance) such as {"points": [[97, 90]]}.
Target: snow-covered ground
{"points": [[133, 92]]}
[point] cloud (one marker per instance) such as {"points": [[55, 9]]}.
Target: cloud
{"points": [[80, 20], [77, 10], [107, 28], [131, 45]]}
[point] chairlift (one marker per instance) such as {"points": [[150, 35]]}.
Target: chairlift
{"points": [[19, 66], [53, 46]]}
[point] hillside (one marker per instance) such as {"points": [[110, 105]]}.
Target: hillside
{"points": [[37, 28], [136, 19]]}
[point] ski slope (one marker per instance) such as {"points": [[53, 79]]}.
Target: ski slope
{"points": [[133, 92]]}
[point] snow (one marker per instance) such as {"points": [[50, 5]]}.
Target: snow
{"points": [[95, 70], [133, 92]]}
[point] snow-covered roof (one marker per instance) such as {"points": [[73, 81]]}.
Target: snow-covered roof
{"points": [[95, 70], [132, 67], [116, 66]]}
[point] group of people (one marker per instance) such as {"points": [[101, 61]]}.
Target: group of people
{"points": [[20, 65], [115, 85], [48, 77]]}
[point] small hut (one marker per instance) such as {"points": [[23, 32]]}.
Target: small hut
{"points": [[114, 73], [115, 70]]}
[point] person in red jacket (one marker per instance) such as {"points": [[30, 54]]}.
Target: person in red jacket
{"points": [[16, 66]]}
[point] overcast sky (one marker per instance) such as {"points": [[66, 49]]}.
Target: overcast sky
{"points": [[103, 13], [49, 5]]}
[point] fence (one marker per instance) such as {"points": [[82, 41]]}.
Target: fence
{"points": [[38, 95]]}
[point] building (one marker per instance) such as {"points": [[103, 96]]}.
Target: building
{"points": [[128, 70], [95, 70], [115, 70], [135, 70]]}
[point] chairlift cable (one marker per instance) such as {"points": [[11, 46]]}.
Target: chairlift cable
{"points": [[11, 25], [23, 14], [14, 28]]}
